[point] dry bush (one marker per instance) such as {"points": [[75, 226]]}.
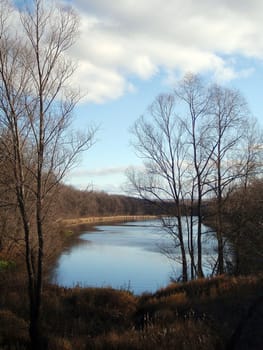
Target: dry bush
{"points": [[196, 315], [83, 312], [13, 330], [59, 343], [185, 335]]}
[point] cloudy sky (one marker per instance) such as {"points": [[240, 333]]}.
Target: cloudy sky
{"points": [[129, 51]]}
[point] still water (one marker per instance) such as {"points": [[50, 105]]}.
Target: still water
{"points": [[121, 256]]}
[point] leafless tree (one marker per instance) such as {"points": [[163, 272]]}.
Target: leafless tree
{"points": [[174, 145], [229, 116], [36, 105], [196, 105], [250, 153], [191, 148], [160, 142]]}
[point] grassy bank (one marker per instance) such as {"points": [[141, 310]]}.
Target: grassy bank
{"points": [[219, 313], [95, 220]]}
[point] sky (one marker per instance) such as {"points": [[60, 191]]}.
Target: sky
{"points": [[129, 51]]}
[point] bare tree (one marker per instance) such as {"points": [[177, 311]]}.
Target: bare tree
{"points": [[196, 100], [229, 114], [191, 149], [36, 106], [160, 142], [250, 153], [178, 163]]}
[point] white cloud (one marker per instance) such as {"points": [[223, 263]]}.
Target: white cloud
{"points": [[99, 83], [99, 171], [120, 39], [108, 179]]}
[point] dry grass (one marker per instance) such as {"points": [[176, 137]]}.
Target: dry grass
{"points": [[94, 220], [200, 314], [186, 335]]}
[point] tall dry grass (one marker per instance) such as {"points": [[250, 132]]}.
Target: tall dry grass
{"points": [[202, 314], [94, 220]]}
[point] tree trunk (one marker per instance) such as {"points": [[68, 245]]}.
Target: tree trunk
{"points": [[182, 248], [200, 273]]}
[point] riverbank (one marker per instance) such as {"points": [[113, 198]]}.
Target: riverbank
{"points": [[209, 314], [220, 313], [95, 220]]}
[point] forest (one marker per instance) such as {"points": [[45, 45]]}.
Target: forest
{"points": [[202, 153]]}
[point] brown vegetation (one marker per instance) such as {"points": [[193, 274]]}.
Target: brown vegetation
{"points": [[94, 220], [207, 314], [74, 203], [242, 226]]}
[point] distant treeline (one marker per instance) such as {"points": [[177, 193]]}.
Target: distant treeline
{"points": [[75, 203]]}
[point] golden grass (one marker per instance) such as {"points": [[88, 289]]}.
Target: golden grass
{"points": [[93, 220], [201, 315], [186, 335]]}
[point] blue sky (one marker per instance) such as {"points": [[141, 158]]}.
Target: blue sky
{"points": [[129, 51]]}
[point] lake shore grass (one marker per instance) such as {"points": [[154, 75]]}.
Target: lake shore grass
{"points": [[95, 220], [209, 314]]}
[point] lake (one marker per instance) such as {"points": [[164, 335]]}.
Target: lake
{"points": [[124, 256]]}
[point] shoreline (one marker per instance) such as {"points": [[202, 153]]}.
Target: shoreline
{"points": [[71, 229], [95, 220]]}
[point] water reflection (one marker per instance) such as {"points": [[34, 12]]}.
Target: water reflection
{"points": [[122, 256]]}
